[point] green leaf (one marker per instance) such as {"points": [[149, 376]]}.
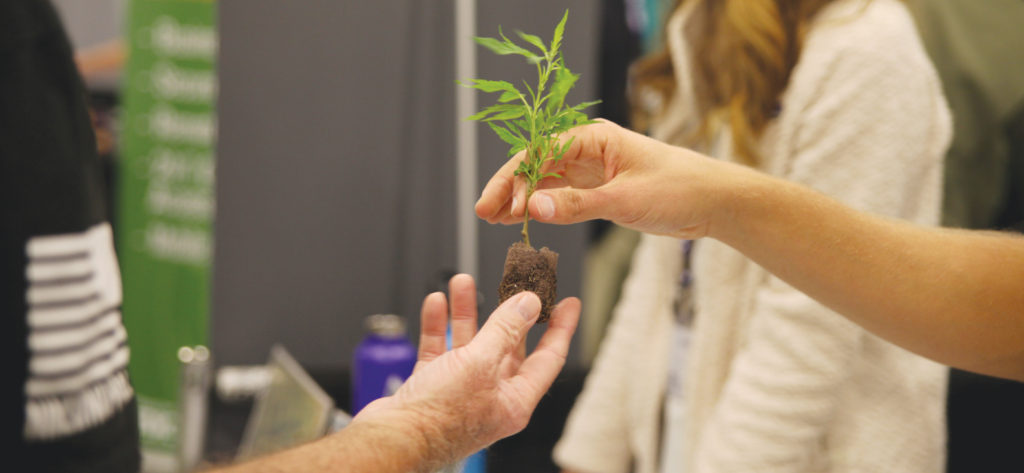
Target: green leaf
{"points": [[493, 109], [551, 174], [515, 111], [492, 85], [564, 81], [497, 47], [556, 41], [510, 95], [517, 49], [563, 123], [515, 149], [520, 125], [506, 47], [564, 148], [524, 168], [506, 135], [584, 105], [534, 40]]}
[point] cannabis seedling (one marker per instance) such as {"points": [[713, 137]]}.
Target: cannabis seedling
{"points": [[533, 121]]}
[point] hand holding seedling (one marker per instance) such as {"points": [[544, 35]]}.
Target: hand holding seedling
{"points": [[533, 121], [615, 174]]}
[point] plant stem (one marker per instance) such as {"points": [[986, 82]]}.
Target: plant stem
{"points": [[530, 186], [526, 226], [535, 152]]}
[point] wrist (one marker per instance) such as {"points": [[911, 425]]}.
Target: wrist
{"points": [[407, 434], [737, 197]]}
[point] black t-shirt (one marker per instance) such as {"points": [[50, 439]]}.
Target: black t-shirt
{"points": [[66, 400]]}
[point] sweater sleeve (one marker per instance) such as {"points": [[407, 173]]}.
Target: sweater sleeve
{"points": [[597, 432], [871, 132]]}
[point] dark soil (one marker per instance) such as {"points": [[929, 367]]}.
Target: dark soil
{"points": [[528, 269]]}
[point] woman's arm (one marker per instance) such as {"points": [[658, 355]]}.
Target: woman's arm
{"points": [[954, 296], [951, 295]]}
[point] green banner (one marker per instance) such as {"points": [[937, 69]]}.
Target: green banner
{"points": [[168, 133]]}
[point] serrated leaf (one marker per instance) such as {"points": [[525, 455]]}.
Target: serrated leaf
{"points": [[492, 85], [515, 149], [584, 105], [515, 112], [497, 47], [515, 47], [563, 123], [506, 135], [520, 125], [509, 96], [505, 47], [564, 81], [497, 108], [581, 119], [534, 40], [556, 41], [565, 147]]}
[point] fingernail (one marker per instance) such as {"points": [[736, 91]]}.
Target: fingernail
{"points": [[545, 206], [515, 203], [528, 306]]}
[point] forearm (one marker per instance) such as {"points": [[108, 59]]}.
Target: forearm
{"points": [[385, 445], [950, 295]]}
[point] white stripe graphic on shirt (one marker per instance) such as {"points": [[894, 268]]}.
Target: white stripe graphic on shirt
{"points": [[98, 371], [40, 294], [48, 344], [61, 367], [72, 314], [77, 343], [57, 416], [52, 340]]}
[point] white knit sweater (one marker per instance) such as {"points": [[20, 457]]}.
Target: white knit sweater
{"points": [[776, 382]]}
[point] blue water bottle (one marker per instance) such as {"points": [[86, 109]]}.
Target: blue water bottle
{"points": [[383, 360]]}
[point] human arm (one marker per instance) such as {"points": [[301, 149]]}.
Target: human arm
{"points": [[456, 401], [951, 295]]}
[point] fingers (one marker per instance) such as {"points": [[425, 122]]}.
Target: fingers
{"points": [[433, 325], [506, 328], [496, 198], [539, 370], [463, 304], [503, 198]]}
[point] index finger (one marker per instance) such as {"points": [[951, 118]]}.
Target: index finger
{"points": [[462, 289], [496, 198], [433, 328]]}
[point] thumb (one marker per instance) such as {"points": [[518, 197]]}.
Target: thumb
{"points": [[506, 327], [568, 205]]}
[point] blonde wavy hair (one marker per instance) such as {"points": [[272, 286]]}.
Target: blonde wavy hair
{"points": [[743, 54]]}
